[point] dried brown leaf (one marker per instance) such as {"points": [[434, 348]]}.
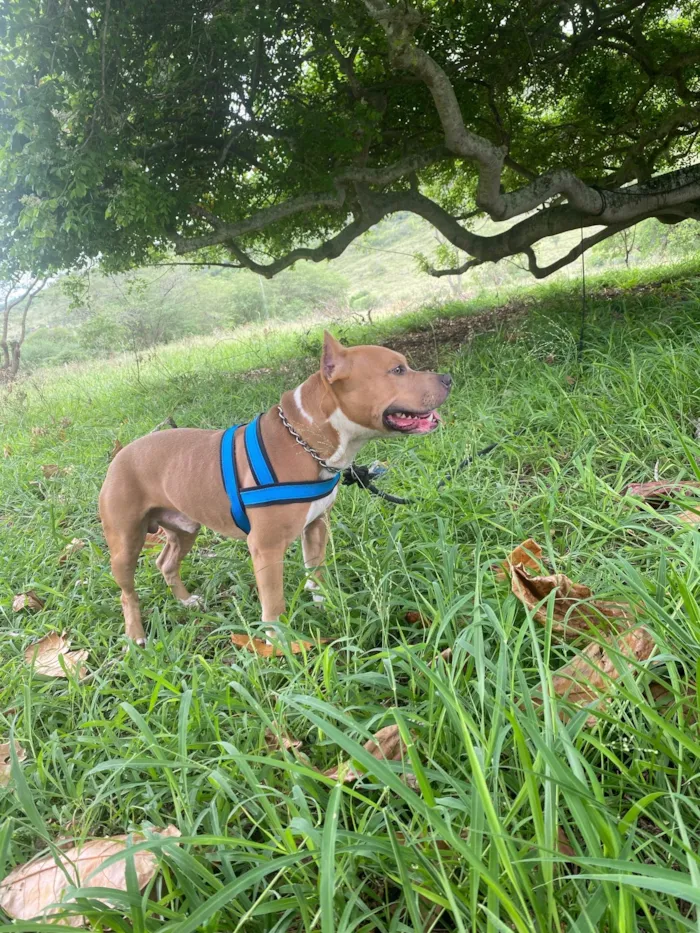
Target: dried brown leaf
{"points": [[77, 544], [387, 745], [30, 890], [38, 432], [658, 493], [527, 555], [6, 761], [51, 469], [65, 422], [570, 380], [574, 610], [688, 517], [116, 447], [7, 451], [275, 739], [28, 600], [590, 676], [46, 655], [563, 844], [266, 650], [416, 618]]}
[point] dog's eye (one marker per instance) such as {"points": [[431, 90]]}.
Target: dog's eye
{"points": [[398, 370]]}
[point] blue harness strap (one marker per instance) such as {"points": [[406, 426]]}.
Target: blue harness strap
{"points": [[229, 474], [268, 490], [260, 465]]}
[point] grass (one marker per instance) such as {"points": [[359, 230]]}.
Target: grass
{"points": [[175, 733]]}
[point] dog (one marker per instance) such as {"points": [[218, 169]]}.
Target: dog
{"points": [[271, 481]]}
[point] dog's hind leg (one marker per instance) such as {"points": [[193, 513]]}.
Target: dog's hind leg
{"points": [[125, 540], [181, 533]]}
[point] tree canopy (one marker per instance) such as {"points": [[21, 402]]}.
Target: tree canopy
{"points": [[261, 132]]}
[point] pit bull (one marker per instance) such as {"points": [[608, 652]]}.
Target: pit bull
{"points": [[271, 481]]}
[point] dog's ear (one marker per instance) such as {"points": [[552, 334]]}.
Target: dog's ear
{"points": [[334, 359]]}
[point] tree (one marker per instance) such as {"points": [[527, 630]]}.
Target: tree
{"points": [[257, 133], [18, 298]]}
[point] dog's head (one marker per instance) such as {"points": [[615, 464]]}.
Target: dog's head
{"points": [[376, 388]]}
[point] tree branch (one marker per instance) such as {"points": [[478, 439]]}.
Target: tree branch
{"points": [[399, 24], [381, 177], [541, 272], [329, 249]]}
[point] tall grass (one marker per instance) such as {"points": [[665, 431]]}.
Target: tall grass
{"points": [[175, 733]]}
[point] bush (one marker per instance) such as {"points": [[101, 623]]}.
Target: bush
{"points": [[50, 346]]}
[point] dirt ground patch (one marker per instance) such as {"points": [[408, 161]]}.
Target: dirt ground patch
{"points": [[422, 347]]}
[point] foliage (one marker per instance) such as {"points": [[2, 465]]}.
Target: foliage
{"points": [[128, 129], [176, 733]]}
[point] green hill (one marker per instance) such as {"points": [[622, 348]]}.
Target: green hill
{"points": [[79, 318]]}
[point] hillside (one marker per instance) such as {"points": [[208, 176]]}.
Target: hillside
{"points": [[507, 788], [80, 318]]}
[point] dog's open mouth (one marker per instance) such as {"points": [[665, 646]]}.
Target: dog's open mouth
{"points": [[411, 422]]}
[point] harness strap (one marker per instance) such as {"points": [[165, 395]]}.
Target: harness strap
{"points": [[260, 465], [229, 474], [268, 491], [260, 496]]}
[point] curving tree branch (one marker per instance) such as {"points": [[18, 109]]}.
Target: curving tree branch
{"points": [[550, 203]]}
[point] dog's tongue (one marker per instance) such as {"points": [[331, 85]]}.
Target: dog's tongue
{"points": [[420, 424]]}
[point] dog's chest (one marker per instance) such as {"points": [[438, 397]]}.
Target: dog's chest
{"points": [[320, 506]]}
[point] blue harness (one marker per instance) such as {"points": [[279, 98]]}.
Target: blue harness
{"points": [[268, 489]]}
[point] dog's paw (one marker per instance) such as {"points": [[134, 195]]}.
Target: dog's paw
{"points": [[312, 587], [193, 602]]}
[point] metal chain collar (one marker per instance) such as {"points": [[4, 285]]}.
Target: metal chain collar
{"points": [[302, 443]]}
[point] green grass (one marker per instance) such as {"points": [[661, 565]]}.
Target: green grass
{"points": [[175, 733]]}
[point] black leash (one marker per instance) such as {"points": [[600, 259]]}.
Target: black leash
{"points": [[364, 476]]}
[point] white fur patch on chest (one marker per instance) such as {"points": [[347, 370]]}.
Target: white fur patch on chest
{"points": [[351, 436], [317, 508]]}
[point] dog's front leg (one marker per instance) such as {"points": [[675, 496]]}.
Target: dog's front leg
{"points": [[268, 564], [313, 542]]}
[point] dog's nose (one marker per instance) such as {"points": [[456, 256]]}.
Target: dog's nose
{"points": [[446, 380]]}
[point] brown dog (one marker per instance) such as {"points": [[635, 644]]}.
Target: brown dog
{"points": [[175, 479]]}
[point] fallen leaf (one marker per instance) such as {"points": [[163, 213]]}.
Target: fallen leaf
{"points": [[527, 555], [38, 432], [7, 451], [590, 676], [658, 493], [77, 544], [51, 469], [6, 761], [155, 538], [410, 780], [116, 447], [688, 517], [65, 422], [275, 739], [28, 600], [563, 844], [45, 657], [266, 650], [570, 380], [387, 745], [415, 618], [446, 654], [665, 697], [573, 607], [30, 890]]}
